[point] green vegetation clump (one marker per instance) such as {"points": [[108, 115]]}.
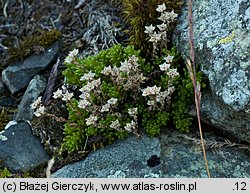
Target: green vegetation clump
{"points": [[103, 78], [182, 99], [33, 44], [5, 173], [141, 13], [128, 88]]}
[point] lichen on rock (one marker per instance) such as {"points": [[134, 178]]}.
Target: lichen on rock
{"points": [[222, 44]]}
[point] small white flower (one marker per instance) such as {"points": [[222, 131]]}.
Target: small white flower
{"points": [[58, 94], [115, 71], [130, 126], [173, 15], [88, 87], [40, 111], [107, 70], [84, 95], [161, 8], [155, 37], [169, 58], [161, 96], [133, 59], [146, 92], [125, 66], [88, 76], [68, 59], [162, 27], [83, 104], [132, 111], [141, 78], [71, 56], [149, 29], [36, 103], [151, 91], [173, 73], [74, 52], [96, 83], [67, 96], [105, 108], [155, 90], [115, 124], [164, 67], [170, 90], [112, 101], [151, 103], [168, 17], [91, 120]]}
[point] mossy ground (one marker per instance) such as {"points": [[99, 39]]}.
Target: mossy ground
{"points": [[33, 44]]}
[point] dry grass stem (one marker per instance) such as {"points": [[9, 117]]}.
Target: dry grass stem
{"points": [[192, 72]]}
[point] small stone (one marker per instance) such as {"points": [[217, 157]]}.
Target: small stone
{"points": [[35, 88], [18, 75], [22, 151]]}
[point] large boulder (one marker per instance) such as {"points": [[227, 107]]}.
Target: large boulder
{"points": [[127, 158], [222, 45], [172, 155], [17, 76]]}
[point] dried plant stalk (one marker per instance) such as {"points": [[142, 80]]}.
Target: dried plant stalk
{"points": [[192, 71]]}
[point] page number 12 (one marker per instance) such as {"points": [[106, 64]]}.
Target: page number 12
{"points": [[240, 186]]}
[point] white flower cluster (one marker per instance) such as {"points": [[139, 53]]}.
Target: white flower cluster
{"points": [[130, 68], [85, 100], [128, 76], [133, 125], [106, 107], [92, 88], [154, 93], [160, 35], [155, 96], [116, 125], [88, 76], [63, 93], [172, 73], [71, 56], [91, 120], [168, 60], [38, 107], [130, 127], [151, 91]]}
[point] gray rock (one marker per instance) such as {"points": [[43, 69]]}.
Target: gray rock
{"points": [[126, 158], [222, 44], [1, 86], [17, 76], [20, 150], [179, 157], [185, 159], [215, 112], [34, 89]]}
